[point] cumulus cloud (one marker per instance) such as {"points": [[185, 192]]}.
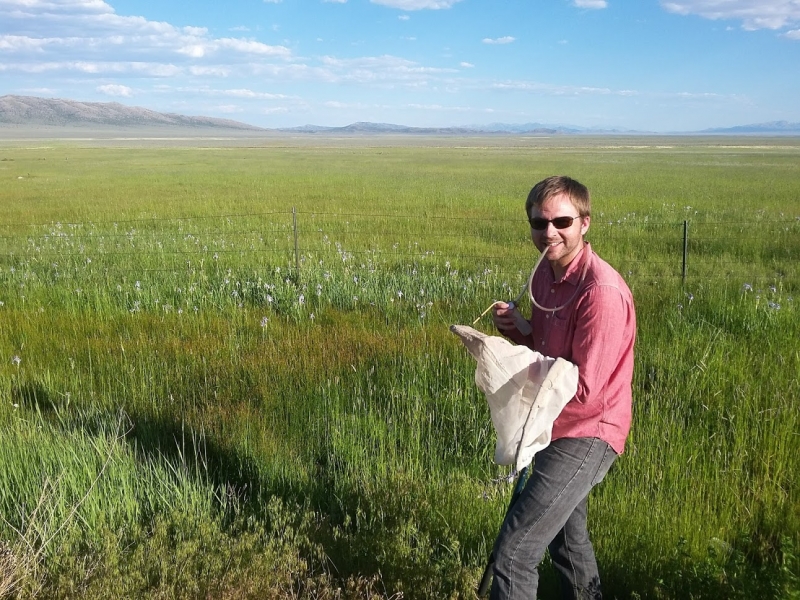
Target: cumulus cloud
{"points": [[63, 39], [558, 90], [417, 4], [115, 90], [794, 34], [19, 43], [228, 108], [210, 71], [440, 108], [501, 40], [46, 33], [380, 70], [245, 93], [754, 14], [337, 104], [466, 65], [595, 4]]}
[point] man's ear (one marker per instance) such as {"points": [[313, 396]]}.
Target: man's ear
{"points": [[585, 222]]}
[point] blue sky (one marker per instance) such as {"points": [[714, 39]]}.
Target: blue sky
{"points": [[650, 65]]}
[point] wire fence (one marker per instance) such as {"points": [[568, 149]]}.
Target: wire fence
{"points": [[762, 249]]}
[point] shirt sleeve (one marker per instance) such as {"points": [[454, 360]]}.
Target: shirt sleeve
{"points": [[602, 318]]}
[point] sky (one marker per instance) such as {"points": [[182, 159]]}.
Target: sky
{"points": [[647, 65]]}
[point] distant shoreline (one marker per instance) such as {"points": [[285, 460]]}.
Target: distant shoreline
{"points": [[174, 137]]}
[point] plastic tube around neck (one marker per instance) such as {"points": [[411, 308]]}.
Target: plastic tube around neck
{"points": [[574, 295]]}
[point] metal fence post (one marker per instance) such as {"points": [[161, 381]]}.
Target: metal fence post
{"points": [[296, 253], [685, 249]]}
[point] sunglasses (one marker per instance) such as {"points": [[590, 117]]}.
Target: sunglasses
{"points": [[540, 224]]}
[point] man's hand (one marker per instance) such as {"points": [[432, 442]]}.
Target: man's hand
{"points": [[503, 316]]}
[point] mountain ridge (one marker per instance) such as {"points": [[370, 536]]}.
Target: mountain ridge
{"points": [[57, 112], [33, 111]]}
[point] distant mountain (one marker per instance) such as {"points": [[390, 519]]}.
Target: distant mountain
{"points": [[376, 128], [524, 128], [49, 113], [773, 127], [53, 112]]}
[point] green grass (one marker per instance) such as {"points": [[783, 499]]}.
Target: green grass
{"points": [[185, 413]]}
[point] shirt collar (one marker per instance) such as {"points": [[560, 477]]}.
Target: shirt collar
{"points": [[575, 268]]}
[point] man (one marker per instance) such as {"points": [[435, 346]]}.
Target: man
{"points": [[582, 311]]}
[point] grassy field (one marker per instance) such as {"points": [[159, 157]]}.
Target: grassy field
{"points": [[226, 370]]}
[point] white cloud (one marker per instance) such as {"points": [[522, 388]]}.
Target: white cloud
{"points": [[466, 65], [380, 66], [56, 6], [193, 50], [337, 104], [417, 4], [595, 4], [245, 93], [546, 89], [115, 90], [45, 33], [272, 1], [404, 17], [502, 40], [335, 1], [41, 91], [252, 47], [214, 71], [440, 108], [239, 93], [754, 14], [137, 69], [794, 34], [18, 43]]}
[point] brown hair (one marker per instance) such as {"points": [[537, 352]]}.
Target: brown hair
{"points": [[560, 184]]}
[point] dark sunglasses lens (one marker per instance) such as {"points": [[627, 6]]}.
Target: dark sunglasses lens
{"points": [[562, 222], [539, 224], [559, 223]]}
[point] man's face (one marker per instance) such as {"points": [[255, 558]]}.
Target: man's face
{"points": [[562, 244]]}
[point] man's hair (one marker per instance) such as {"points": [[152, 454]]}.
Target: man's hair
{"points": [[560, 184]]}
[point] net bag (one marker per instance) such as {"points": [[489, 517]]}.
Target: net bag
{"points": [[525, 390]]}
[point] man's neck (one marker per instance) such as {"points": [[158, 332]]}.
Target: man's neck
{"points": [[560, 270]]}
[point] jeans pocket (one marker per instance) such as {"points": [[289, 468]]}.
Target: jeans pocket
{"points": [[605, 464]]}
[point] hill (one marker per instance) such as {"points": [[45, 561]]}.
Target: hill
{"points": [[31, 111], [773, 127]]}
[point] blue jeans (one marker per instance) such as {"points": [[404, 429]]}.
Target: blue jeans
{"points": [[551, 513]]}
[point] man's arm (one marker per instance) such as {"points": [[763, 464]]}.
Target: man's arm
{"points": [[603, 335]]}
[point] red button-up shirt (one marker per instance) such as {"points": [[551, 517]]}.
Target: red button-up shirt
{"points": [[595, 331]]}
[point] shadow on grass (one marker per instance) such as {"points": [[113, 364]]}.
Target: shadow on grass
{"points": [[386, 531]]}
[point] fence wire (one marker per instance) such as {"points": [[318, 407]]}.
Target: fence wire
{"points": [[644, 248]]}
